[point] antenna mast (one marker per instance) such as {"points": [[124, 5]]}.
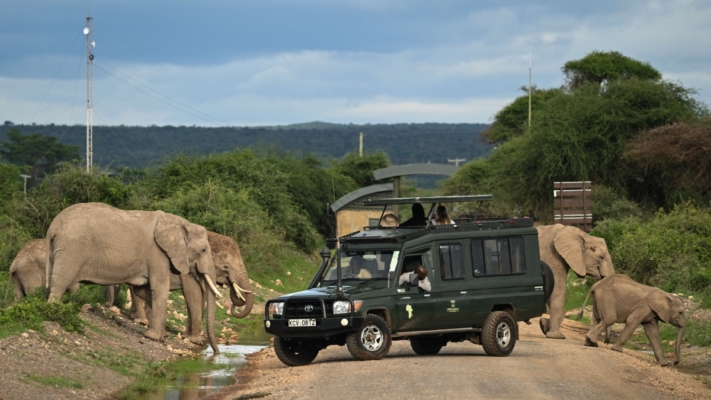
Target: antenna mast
{"points": [[89, 109]]}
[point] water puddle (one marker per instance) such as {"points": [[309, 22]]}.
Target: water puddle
{"points": [[213, 373]]}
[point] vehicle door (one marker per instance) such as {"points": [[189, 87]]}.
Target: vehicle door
{"points": [[453, 300], [414, 305]]}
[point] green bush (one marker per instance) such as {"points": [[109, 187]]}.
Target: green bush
{"points": [[31, 312], [672, 251]]}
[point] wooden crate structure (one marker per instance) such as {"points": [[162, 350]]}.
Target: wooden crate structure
{"points": [[572, 204]]}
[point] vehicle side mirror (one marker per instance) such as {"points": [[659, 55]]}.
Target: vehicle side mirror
{"points": [[414, 280]]}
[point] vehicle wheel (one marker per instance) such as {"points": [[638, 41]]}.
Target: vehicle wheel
{"points": [[371, 341], [498, 336], [293, 352], [548, 280], [426, 347]]}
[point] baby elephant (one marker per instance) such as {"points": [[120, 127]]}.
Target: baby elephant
{"points": [[27, 271], [618, 298]]}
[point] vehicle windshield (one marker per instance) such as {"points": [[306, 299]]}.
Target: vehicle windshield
{"points": [[361, 265]]}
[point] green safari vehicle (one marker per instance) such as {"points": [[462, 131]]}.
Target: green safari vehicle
{"points": [[484, 276]]}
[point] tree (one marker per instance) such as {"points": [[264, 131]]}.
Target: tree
{"points": [[40, 152], [601, 66], [582, 134], [512, 120], [675, 158], [360, 168]]}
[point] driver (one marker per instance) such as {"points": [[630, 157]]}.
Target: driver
{"points": [[355, 267]]}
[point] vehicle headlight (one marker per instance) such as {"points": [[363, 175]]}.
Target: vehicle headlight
{"points": [[344, 307], [276, 309], [341, 307]]}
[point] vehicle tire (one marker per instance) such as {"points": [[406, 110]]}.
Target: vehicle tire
{"points": [[548, 280], [371, 341], [426, 347], [293, 352], [498, 335]]}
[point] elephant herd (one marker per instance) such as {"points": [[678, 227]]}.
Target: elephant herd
{"points": [[152, 251], [155, 252], [616, 297]]}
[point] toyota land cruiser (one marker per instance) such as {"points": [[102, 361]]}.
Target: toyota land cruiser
{"points": [[484, 275]]}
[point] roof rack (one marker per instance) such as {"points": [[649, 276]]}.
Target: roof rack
{"points": [[431, 199]]}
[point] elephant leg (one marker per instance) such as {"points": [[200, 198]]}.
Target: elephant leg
{"points": [[110, 295], [594, 333], [193, 294], [651, 329], [138, 304], [625, 335], [159, 301], [557, 313]]}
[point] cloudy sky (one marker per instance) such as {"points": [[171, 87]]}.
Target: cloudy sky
{"points": [[277, 62]]}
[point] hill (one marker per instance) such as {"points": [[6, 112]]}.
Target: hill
{"points": [[138, 147]]}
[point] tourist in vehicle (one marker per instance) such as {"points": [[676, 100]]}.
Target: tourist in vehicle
{"points": [[418, 217], [389, 220], [441, 216], [355, 268], [424, 281]]}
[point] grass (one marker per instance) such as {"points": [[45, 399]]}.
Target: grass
{"points": [[575, 291], [56, 381]]}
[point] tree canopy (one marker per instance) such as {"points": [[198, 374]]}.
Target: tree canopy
{"points": [[581, 134], [39, 152], [604, 66]]}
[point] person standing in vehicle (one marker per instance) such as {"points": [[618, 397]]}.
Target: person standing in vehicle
{"points": [[418, 217], [441, 216], [424, 281]]}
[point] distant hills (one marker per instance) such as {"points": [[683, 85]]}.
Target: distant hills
{"points": [[138, 147]]}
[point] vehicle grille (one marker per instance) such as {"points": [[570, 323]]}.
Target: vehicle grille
{"points": [[298, 309]]}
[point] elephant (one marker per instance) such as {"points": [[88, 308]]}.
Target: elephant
{"points": [[567, 247], [101, 244], [230, 271], [618, 298], [27, 271]]}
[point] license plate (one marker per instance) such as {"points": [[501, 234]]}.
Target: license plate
{"points": [[302, 322]]}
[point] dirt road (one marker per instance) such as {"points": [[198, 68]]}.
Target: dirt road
{"points": [[538, 368]]}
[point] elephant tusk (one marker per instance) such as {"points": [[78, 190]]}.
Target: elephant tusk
{"points": [[238, 290], [212, 286]]}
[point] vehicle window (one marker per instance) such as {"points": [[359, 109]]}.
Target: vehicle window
{"points": [[451, 261], [362, 265], [409, 263], [503, 256]]}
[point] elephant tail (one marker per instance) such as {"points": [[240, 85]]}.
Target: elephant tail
{"points": [[582, 308]]}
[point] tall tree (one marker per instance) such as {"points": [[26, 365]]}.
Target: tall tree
{"points": [[38, 151], [601, 66]]}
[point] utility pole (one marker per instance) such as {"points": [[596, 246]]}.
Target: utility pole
{"points": [[360, 152], [89, 109], [456, 161], [529, 90]]}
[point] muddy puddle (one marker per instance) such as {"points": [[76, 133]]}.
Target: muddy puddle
{"points": [[213, 373]]}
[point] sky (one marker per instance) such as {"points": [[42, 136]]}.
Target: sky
{"points": [[280, 62]]}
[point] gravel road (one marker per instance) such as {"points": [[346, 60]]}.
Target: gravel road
{"points": [[538, 368]]}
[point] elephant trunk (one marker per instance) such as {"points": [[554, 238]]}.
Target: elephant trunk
{"points": [[210, 328], [241, 296], [679, 337]]}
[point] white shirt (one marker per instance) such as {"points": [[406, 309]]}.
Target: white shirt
{"points": [[424, 283]]}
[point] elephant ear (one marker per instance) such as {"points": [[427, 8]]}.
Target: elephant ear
{"points": [[570, 244], [170, 236], [660, 303]]}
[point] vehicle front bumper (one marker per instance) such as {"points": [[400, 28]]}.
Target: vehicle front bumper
{"points": [[325, 327]]}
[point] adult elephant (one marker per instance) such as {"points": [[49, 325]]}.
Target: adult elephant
{"points": [[230, 272], [27, 270], [97, 243], [619, 299], [563, 248]]}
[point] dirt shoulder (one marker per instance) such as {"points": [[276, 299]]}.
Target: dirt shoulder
{"points": [[55, 364], [588, 373]]}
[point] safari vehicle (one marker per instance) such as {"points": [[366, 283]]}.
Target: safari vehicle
{"points": [[485, 275]]}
